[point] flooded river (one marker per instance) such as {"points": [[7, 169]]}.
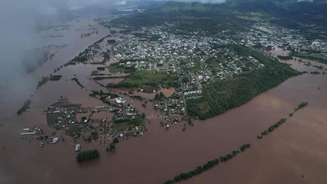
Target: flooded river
{"points": [[295, 153]]}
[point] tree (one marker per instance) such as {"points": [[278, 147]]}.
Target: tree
{"points": [[111, 147], [87, 155]]}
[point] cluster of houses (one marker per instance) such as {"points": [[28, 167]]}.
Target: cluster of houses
{"points": [[156, 49], [171, 105], [264, 34], [124, 115], [195, 59], [117, 120], [38, 134]]}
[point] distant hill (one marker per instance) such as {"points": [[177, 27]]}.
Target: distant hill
{"points": [[187, 16], [296, 10], [308, 17]]}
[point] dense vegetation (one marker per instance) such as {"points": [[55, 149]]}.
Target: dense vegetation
{"points": [[222, 95], [208, 165], [271, 128], [300, 106], [281, 121], [87, 155]]}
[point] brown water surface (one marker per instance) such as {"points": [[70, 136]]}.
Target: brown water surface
{"points": [[296, 149]]}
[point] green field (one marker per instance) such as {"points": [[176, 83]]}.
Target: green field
{"points": [[146, 78]]}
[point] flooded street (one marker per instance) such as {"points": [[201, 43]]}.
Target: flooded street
{"points": [[296, 152]]}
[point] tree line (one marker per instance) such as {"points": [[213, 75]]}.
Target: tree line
{"points": [[208, 165], [224, 158]]}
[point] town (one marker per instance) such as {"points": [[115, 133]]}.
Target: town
{"points": [[190, 75]]}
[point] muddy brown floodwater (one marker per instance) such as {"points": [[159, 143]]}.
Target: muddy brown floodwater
{"points": [[294, 153]]}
